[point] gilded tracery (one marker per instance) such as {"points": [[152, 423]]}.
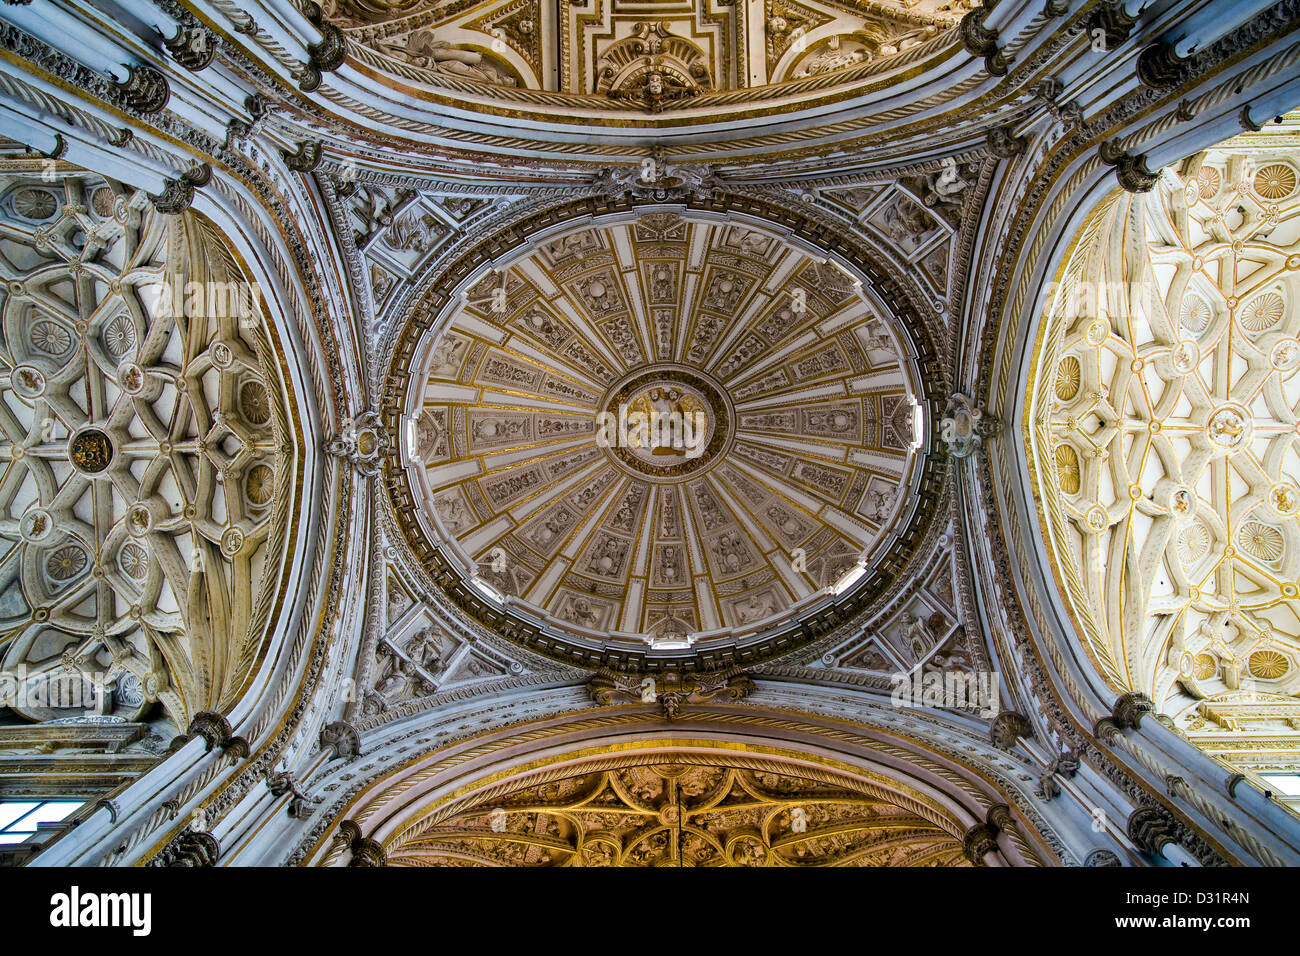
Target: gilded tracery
{"points": [[688, 813]]}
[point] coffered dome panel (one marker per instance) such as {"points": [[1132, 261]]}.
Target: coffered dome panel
{"points": [[664, 430]]}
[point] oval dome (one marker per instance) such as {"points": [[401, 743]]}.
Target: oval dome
{"points": [[661, 430]]}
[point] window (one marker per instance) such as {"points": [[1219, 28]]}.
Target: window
{"points": [[18, 821], [1286, 783]]}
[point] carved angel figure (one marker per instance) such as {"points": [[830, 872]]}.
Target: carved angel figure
{"points": [[423, 48]]}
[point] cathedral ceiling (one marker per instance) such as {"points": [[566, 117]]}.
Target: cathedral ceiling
{"points": [[617, 56], [1164, 429], [563, 89], [477, 298], [146, 449], [662, 812]]}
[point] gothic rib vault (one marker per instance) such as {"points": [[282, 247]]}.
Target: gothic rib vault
{"points": [[680, 812], [147, 449], [1165, 441], [831, 432]]}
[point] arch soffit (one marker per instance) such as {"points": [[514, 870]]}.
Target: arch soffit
{"points": [[950, 793]]}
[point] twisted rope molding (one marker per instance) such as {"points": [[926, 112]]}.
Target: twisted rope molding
{"points": [[1051, 501], [246, 25], [1207, 808]]}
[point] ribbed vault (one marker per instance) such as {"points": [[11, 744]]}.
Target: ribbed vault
{"points": [[1164, 431], [719, 786], [680, 809], [146, 452]]}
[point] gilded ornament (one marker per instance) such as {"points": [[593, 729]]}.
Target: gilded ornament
{"points": [[66, 562], [1268, 664], [254, 403], [91, 451], [1069, 375], [1262, 312], [1193, 543], [1208, 181], [1275, 182], [1067, 469], [1195, 314], [1261, 541]]}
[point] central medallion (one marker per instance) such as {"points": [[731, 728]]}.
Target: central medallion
{"points": [[1230, 427], [91, 451], [665, 423]]}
